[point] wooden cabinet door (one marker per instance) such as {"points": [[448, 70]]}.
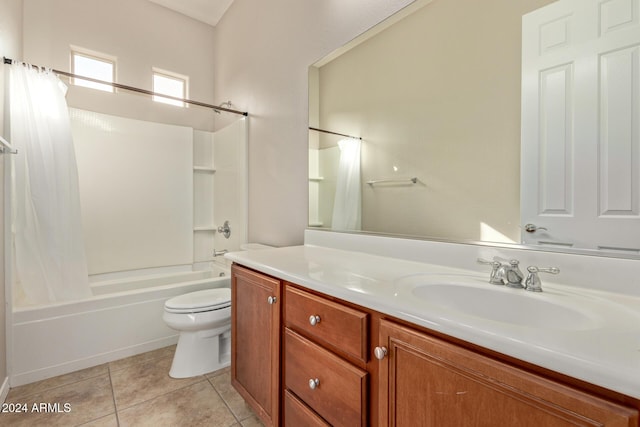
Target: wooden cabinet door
{"points": [[425, 381], [255, 341]]}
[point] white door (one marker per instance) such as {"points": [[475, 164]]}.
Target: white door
{"points": [[580, 172]]}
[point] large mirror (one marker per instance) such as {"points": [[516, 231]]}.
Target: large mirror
{"points": [[477, 121]]}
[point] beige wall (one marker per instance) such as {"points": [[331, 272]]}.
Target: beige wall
{"points": [[141, 35], [263, 50], [10, 45], [436, 96]]}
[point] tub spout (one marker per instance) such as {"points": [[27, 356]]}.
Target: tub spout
{"points": [[219, 253]]}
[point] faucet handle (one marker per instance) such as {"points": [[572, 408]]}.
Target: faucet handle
{"points": [[496, 277], [533, 283]]}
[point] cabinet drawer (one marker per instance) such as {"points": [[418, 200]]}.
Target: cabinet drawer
{"points": [[341, 327], [297, 414], [340, 394]]}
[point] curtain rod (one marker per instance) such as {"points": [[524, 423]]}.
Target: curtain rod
{"points": [[335, 133], [135, 89]]}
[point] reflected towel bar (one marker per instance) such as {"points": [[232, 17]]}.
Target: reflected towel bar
{"points": [[413, 180]]}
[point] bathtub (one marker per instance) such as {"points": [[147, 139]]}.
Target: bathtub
{"points": [[122, 318]]}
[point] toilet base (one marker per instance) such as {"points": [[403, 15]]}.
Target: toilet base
{"points": [[200, 352]]}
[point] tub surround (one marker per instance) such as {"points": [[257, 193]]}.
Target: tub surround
{"points": [[607, 355]]}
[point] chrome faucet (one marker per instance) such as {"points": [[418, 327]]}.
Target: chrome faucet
{"points": [[219, 253], [508, 273], [504, 272], [513, 275]]}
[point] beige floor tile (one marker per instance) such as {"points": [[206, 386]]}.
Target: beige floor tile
{"points": [[88, 400], [145, 381], [195, 405], [40, 386], [222, 383], [141, 358]]}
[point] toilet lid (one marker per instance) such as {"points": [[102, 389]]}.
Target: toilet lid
{"points": [[210, 299]]}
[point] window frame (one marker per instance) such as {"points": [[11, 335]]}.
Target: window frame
{"points": [[95, 56], [184, 79]]}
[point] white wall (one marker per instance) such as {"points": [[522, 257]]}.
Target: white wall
{"points": [[262, 53], [10, 45], [141, 35]]}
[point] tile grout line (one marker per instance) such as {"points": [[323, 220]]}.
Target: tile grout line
{"points": [[224, 402], [113, 397], [240, 421]]}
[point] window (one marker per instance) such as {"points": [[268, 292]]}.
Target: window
{"points": [[94, 66], [171, 84]]}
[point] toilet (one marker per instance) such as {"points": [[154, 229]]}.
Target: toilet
{"points": [[204, 321]]}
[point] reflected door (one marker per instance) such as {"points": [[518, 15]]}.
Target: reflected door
{"points": [[580, 175]]}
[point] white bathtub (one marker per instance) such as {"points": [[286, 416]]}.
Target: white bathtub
{"points": [[123, 318]]}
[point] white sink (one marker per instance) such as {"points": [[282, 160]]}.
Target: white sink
{"points": [[473, 296]]}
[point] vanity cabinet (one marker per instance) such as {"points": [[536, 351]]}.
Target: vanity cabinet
{"points": [[426, 381], [255, 341], [417, 377]]}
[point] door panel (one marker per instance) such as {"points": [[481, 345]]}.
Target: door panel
{"points": [[580, 175]]}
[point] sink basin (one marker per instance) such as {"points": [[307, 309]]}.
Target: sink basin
{"points": [[472, 296]]}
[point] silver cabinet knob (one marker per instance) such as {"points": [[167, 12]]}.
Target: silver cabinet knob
{"points": [[272, 300], [314, 383], [380, 352], [314, 320]]}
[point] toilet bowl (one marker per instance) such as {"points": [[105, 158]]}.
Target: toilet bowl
{"points": [[204, 321]]}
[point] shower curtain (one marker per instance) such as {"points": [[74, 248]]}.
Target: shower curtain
{"points": [[347, 202], [49, 258]]}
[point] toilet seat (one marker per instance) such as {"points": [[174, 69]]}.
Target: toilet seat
{"points": [[200, 301]]}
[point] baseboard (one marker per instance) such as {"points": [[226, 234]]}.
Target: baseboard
{"points": [[76, 365], [4, 391]]}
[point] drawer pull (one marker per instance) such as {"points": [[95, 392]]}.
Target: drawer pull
{"points": [[314, 320], [314, 383], [272, 300], [380, 352]]}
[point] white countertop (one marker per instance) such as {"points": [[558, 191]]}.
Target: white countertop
{"points": [[602, 348]]}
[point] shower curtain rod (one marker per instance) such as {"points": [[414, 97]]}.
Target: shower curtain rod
{"points": [[334, 133], [136, 89]]}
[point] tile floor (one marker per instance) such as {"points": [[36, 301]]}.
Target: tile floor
{"points": [[136, 391]]}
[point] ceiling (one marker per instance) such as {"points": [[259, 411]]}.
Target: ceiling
{"points": [[207, 11]]}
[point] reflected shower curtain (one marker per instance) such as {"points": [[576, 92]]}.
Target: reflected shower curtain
{"points": [[49, 252], [347, 202]]}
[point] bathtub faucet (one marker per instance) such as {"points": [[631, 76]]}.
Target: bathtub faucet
{"points": [[219, 253]]}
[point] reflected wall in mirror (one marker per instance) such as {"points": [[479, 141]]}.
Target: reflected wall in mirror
{"points": [[435, 94]]}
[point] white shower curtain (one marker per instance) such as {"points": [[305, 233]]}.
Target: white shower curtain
{"points": [[49, 252], [347, 202]]}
